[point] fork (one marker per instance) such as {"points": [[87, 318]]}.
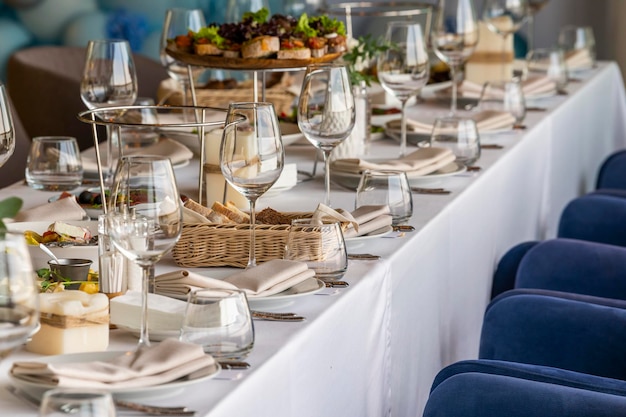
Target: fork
{"points": [[264, 315]]}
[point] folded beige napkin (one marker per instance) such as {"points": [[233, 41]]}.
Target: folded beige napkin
{"points": [[533, 86], [63, 209], [486, 121], [370, 219], [176, 151], [578, 59], [156, 365], [269, 278], [420, 162]]}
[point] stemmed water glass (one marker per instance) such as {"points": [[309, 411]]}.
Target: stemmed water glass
{"points": [[455, 41], [7, 131], [144, 217], [404, 68], [326, 111], [19, 302], [505, 17], [179, 22], [109, 79], [252, 154]]}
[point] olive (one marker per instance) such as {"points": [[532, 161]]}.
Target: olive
{"points": [[97, 200], [85, 197]]}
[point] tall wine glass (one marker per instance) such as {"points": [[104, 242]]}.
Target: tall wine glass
{"points": [[179, 22], [326, 111], [505, 17], [252, 154], [454, 41], [404, 68], [19, 295], [144, 218], [534, 7], [7, 131], [109, 79]]}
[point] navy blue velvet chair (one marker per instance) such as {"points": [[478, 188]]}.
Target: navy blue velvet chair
{"points": [[612, 172]]}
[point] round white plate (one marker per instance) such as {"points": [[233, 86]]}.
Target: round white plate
{"points": [[92, 212], [306, 287], [163, 390], [351, 181], [413, 138], [374, 235]]}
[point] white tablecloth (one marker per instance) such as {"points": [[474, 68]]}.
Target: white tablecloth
{"points": [[374, 348]]}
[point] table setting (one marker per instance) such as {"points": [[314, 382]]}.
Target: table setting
{"points": [[287, 301]]}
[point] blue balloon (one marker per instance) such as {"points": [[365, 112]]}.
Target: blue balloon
{"points": [[47, 20], [14, 36], [84, 28]]}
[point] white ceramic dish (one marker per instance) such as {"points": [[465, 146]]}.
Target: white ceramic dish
{"points": [[374, 235], [40, 259], [351, 181], [307, 287], [163, 390], [92, 212]]}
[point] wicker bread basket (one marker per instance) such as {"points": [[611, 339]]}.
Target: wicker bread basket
{"points": [[205, 244]]}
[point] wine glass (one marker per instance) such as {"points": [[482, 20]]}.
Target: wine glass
{"points": [[77, 402], [534, 7], [505, 17], [252, 154], [458, 134], [180, 22], [144, 218], [7, 131], [109, 79], [455, 41], [326, 110], [19, 295], [404, 68]]}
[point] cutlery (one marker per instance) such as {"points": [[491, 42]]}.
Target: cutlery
{"points": [[562, 92], [473, 168], [430, 190], [228, 364], [403, 228], [535, 109], [519, 126], [275, 316], [471, 106], [336, 284], [149, 409], [363, 257], [491, 146]]}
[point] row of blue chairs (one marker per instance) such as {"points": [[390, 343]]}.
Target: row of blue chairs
{"points": [[553, 341]]}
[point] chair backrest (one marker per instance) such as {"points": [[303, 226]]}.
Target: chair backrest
{"points": [[13, 169], [44, 82]]}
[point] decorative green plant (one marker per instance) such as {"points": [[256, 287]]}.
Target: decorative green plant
{"points": [[360, 58], [9, 207]]}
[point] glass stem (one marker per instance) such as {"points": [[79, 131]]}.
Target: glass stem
{"points": [[403, 129], [327, 175], [504, 60], [144, 337], [454, 90], [252, 256]]}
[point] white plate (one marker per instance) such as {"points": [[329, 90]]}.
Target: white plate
{"points": [[92, 212], [351, 180], [163, 390], [306, 287], [374, 235], [156, 335], [414, 138]]}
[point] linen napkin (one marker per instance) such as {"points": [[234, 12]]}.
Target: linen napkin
{"points": [[533, 86], [156, 365], [63, 209], [578, 59], [269, 278], [486, 121], [420, 162], [370, 219], [176, 151]]}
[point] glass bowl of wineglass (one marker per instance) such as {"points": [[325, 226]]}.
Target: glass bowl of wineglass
{"points": [[7, 132], [252, 154], [454, 41], [403, 69], [326, 111]]}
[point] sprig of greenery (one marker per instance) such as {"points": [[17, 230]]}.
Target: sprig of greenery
{"points": [[9, 207], [360, 56]]}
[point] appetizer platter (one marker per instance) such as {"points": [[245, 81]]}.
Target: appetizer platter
{"points": [[261, 42]]}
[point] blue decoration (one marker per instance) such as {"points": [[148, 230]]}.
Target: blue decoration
{"points": [[130, 26], [14, 36], [48, 19]]}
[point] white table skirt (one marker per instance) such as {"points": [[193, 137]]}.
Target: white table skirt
{"points": [[374, 348]]}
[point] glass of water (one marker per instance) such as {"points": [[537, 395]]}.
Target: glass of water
{"points": [[54, 164]]}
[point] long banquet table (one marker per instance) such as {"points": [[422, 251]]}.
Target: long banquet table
{"points": [[373, 348]]}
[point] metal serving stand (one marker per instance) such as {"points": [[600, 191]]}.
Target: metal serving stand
{"points": [[121, 117]]}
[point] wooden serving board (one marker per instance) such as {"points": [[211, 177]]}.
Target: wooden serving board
{"points": [[250, 64]]}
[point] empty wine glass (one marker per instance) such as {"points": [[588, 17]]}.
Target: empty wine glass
{"points": [[180, 22], [7, 131], [252, 154], [19, 302], [76, 402], [326, 111], [404, 68], [454, 41], [505, 17], [109, 79], [144, 218], [579, 46], [548, 62]]}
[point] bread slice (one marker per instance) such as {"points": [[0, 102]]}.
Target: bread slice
{"points": [[299, 53], [260, 47], [219, 218], [235, 216], [245, 216], [197, 207], [207, 49]]}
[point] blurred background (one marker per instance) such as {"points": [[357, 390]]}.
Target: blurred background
{"points": [[25, 23]]}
